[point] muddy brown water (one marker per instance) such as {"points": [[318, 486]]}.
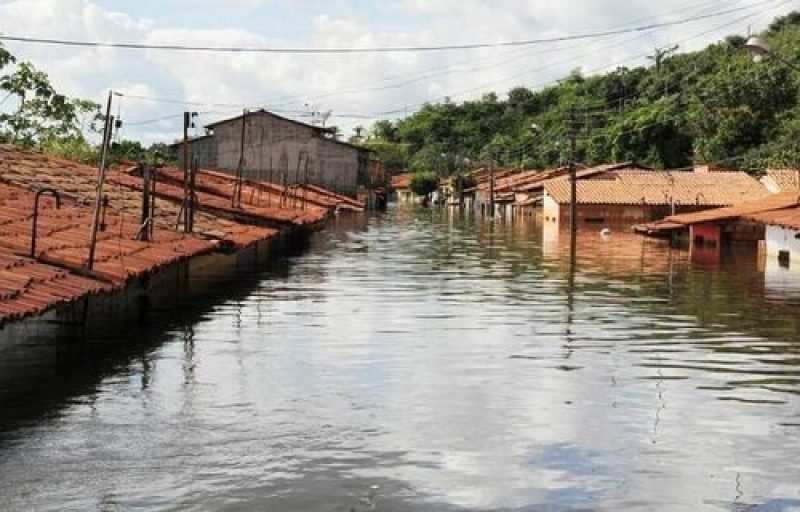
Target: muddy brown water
{"points": [[418, 361]]}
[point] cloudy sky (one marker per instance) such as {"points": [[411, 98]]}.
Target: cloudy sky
{"points": [[357, 88]]}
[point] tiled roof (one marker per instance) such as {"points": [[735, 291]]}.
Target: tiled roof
{"points": [[29, 288], [581, 173], [308, 197], [745, 209], [512, 181], [63, 238], [766, 203], [401, 181], [661, 188], [782, 180], [788, 218], [34, 170]]}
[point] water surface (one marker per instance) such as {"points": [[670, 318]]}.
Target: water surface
{"points": [[416, 361]]}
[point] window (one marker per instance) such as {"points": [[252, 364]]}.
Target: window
{"points": [[783, 259]]}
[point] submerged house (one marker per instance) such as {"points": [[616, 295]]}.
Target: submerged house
{"points": [[774, 219], [626, 196], [281, 150], [401, 185], [781, 234]]}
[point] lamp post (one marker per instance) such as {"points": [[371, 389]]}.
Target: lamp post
{"points": [[535, 130], [460, 178], [439, 176], [760, 50]]}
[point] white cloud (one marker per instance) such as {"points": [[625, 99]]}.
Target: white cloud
{"points": [[347, 84]]}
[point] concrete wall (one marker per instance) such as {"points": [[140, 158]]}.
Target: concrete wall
{"points": [[275, 149], [551, 211], [780, 239]]}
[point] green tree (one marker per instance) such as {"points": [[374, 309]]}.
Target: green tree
{"points": [[39, 116], [424, 183], [705, 106]]}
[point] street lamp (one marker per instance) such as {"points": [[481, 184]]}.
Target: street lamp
{"points": [[759, 49], [535, 130]]}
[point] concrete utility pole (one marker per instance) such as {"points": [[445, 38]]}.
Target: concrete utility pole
{"points": [[491, 188], [101, 177]]}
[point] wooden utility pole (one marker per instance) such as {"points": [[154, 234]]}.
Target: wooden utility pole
{"points": [[491, 188], [101, 177], [236, 197], [572, 133], [186, 122]]}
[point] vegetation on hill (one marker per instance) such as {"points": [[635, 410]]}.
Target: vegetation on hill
{"points": [[714, 105]]}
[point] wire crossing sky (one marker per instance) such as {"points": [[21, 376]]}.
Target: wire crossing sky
{"points": [[363, 60], [379, 49]]}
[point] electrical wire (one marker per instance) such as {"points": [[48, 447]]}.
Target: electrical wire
{"points": [[385, 49], [593, 70]]}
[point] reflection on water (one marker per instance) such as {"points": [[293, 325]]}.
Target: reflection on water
{"points": [[426, 362]]}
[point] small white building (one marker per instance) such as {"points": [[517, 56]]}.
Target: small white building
{"points": [[783, 243]]}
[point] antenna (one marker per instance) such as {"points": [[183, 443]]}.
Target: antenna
{"points": [[324, 116]]}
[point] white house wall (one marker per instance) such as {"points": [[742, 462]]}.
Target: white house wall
{"points": [[782, 239]]}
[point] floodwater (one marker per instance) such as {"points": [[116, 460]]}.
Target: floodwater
{"points": [[415, 361]]}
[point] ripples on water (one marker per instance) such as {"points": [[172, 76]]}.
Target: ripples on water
{"points": [[420, 362]]}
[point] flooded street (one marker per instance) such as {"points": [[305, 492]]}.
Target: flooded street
{"points": [[423, 362]]}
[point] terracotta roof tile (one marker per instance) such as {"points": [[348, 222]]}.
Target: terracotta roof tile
{"points": [[34, 170], [784, 179], [311, 201], [29, 288], [766, 203], [63, 237], [627, 186], [787, 218], [401, 181]]}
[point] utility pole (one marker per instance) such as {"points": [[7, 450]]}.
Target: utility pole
{"points": [[185, 162], [572, 133], [236, 197], [189, 170], [101, 177], [658, 58], [491, 188]]}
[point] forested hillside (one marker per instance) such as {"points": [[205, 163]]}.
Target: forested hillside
{"points": [[715, 105]]}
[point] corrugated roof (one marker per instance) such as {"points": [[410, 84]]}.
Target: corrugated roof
{"points": [[628, 186]]}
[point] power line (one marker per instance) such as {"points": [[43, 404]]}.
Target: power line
{"points": [[384, 49], [593, 70], [370, 116], [458, 66], [482, 86]]}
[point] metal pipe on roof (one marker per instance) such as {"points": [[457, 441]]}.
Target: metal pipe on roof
{"points": [[39, 194]]}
